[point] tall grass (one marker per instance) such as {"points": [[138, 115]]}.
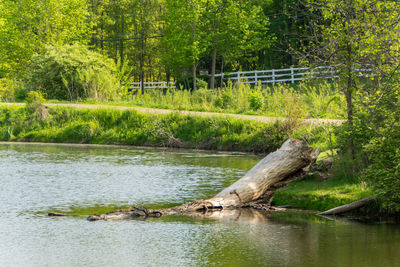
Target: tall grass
{"points": [[307, 100]]}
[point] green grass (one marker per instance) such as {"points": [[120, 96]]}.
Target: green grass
{"points": [[129, 127], [313, 193]]}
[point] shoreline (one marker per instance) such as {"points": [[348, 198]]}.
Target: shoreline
{"points": [[116, 146], [69, 126]]}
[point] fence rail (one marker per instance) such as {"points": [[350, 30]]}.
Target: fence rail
{"points": [[151, 85]]}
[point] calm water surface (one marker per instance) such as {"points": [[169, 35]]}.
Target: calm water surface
{"points": [[36, 179]]}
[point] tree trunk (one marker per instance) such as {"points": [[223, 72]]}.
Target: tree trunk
{"points": [[194, 76], [249, 191], [348, 207], [122, 40], [348, 93], [213, 66], [222, 71]]}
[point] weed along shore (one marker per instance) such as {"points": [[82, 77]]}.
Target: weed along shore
{"points": [[65, 124]]}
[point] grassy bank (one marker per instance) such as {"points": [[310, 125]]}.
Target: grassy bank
{"points": [[129, 127], [110, 126], [316, 194]]}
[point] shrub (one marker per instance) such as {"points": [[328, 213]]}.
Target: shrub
{"points": [[224, 101], [73, 72], [11, 90], [34, 105], [383, 172], [200, 83], [256, 100]]}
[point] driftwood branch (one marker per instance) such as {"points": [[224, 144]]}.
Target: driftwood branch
{"points": [[348, 207]]}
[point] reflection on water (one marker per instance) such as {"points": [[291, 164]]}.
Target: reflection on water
{"points": [[38, 178]]}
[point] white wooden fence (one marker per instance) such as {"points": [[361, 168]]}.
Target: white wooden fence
{"points": [[285, 75], [151, 85], [273, 76]]}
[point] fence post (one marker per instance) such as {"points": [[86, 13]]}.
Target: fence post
{"points": [[273, 76], [255, 77], [292, 74], [238, 76]]}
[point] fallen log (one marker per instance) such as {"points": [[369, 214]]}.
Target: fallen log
{"points": [[252, 190], [348, 207]]}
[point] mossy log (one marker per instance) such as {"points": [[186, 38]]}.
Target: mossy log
{"points": [[253, 190]]}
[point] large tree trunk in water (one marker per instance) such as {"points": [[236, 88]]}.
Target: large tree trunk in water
{"points": [[275, 169], [289, 159], [283, 164]]}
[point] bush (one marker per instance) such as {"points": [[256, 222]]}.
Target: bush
{"points": [[383, 172], [256, 100], [224, 101], [34, 105], [73, 72], [201, 83], [11, 90]]}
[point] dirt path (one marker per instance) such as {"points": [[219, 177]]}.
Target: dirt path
{"points": [[197, 113]]}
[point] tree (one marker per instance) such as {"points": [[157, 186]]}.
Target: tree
{"points": [[235, 29], [183, 40], [288, 19], [365, 35], [130, 29], [29, 25], [354, 35], [72, 72]]}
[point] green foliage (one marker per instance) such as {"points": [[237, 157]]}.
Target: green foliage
{"points": [[376, 143], [256, 100], [34, 106], [378, 123], [73, 72], [224, 101], [34, 98], [201, 83], [383, 172], [27, 26], [11, 90]]}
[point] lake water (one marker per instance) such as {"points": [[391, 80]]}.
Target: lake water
{"points": [[36, 179]]}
